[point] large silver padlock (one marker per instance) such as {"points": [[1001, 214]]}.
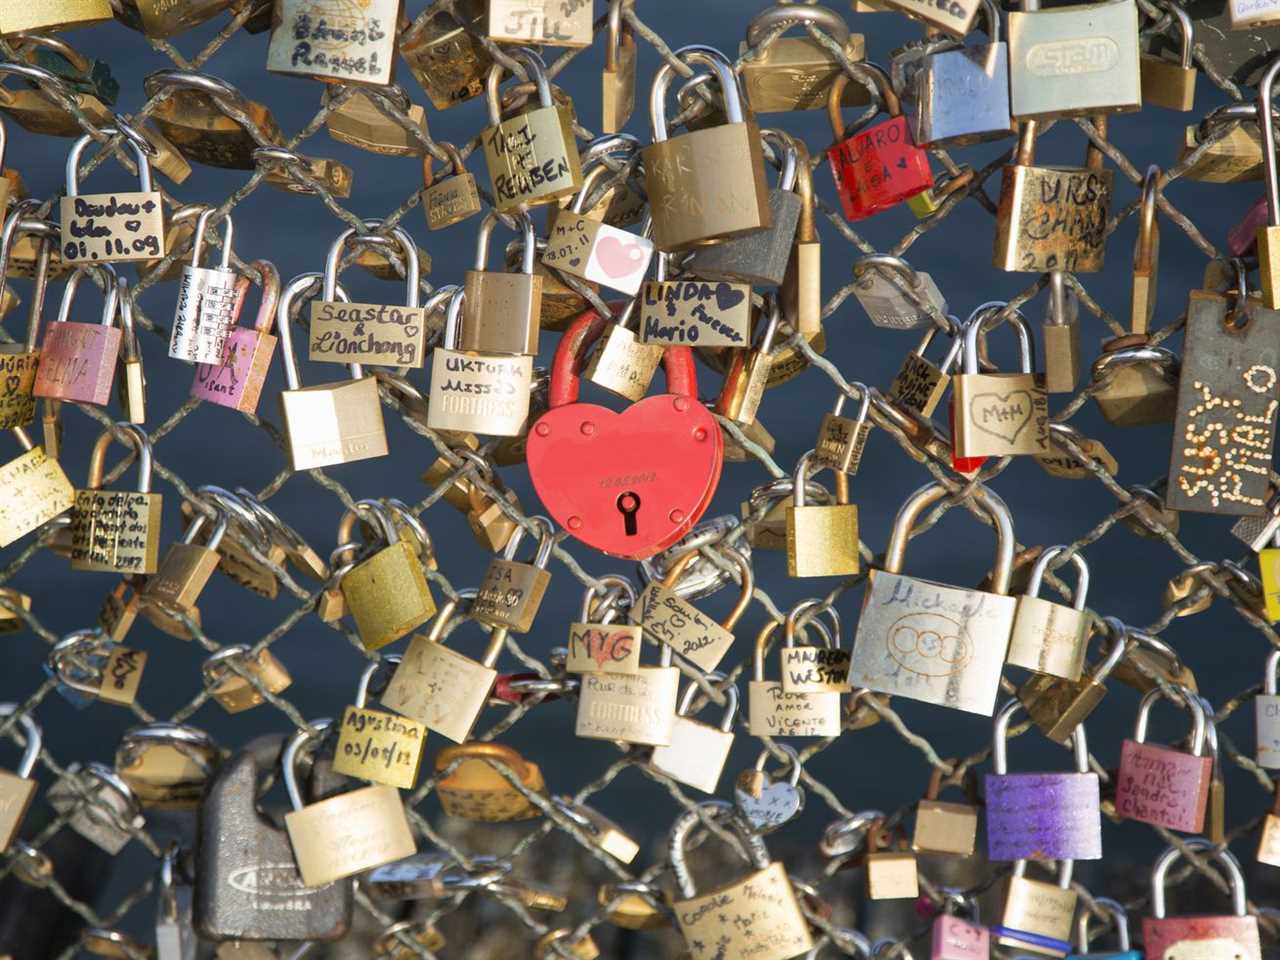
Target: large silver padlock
{"points": [[929, 641], [961, 93], [209, 301], [761, 256]]}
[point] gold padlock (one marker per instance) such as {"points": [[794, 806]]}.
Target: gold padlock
{"points": [[476, 790], [238, 693]]}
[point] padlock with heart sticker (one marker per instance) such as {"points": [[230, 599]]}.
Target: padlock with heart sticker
{"points": [[767, 803], [632, 483], [596, 251]]}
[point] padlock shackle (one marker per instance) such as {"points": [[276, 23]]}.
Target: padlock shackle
{"points": [[1273, 666], [1269, 141], [613, 37], [986, 498], [1121, 632], [837, 837], [1041, 567], [528, 237], [790, 625], [546, 540], [766, 634], [404, 513], [298, 286], [781, 150], [270, 283], [203, 221], [616, 585], [1226, 859], [141, 444], [366, 677], [617, 146], [35, 738], [129, 333], [289, 757], [1145, 250], [533, 64], [88, 641], [717, 810], [730, 692], [190, 81], [106, 279], [1129, 356], [695, 53], [398, 235], [141, 148], [1065, 869], [217, 664], [197, 524], [591, 177], [746, 576], [1192, 702], [873, 77], [794, 769], [794, 15], [250, 518], [17, 224], [1119, 918], [1000, 740], [977, 320], [571, 353]]}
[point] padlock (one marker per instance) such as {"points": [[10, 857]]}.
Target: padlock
{"points": [[1268, 237], [943, 826], [955, 938], [345, 834], [601, 641], [172, 594], [157, 18], [1234, 154], [33, 490], [117, 530], [1049, 637], [674, 622], [175, 934], [1046, 46], [1168, 83], [698, 751], [761, 257], [634, 905], [1267, 716], [1037, 915], [167, 765], [332, 423], [1181, 589], [360, 122], [563, 943], [88, 667], [444, 51], [809, 668], [441, 688], [78, 360], [920, 385], [500, 310], [236, 693], [879, 166], [621, 363], [209, 301], [385, 590], [21, 360], [1058, 705], [593, 250], [1216, 807], [618, 81], [63, 15], [890, 873], [521, 173], [961, 669], [247, 886], [1136, 384], [452, 199], [1160, 785], [236, 379], [796, 73], [18, 789], [375, 745], [1061, 332], [1256, 19], [706, 185], [1234, 935], [841, 440], [260, 542], [822, 541], [477, 790], [111, 227], [131, 386], [390, 944], [772, 712], [1067, 821], [628, 484], [40, 112], [1120, 919], [98, 805], [331, 42], [338, 331], [1146, 255], [768, 924], [765, 802], [747, 376], [189, 113], [894, 295], [512, 21], [961, 92], [511, 591], [638, 708], [1075, 202]]}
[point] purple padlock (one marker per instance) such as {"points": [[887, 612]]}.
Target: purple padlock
{"points": [[1042, 816], [1241, 237]]}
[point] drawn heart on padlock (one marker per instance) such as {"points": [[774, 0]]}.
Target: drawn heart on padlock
{"points": [[727, 297], [619, 258], [777, 802], [1001, 415], [627, 483], [11, 385]]}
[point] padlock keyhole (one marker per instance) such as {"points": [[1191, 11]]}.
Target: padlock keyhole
{"points": [[629, 505]]}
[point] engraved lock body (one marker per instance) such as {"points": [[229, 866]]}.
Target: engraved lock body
{"points": [[878, 166], [450, 199], [444, 52], [893, 651], [1267, 717], [190, 113], [1161, 785], [438, 686], [822, 539], [376, 745], [331, 423], [769, 922], [511, 591], [117, 530], [599, 642], [796, 73], [112, 227], [500, 311], [1037, 915], [1232, 935], [842, 440], [1235, 153], [344, 332], [33, 490], [236, 693], [247, 886], [331, 41], [944, 826], [346, 833], [475, 788], [172, 593], [1047, 47], [361, 122], [477, 392], [88, 667], [1048, 637], [773, 712], [690, 311], [961, 92], [18, 789], [894, 295], [638, 708], [209, 301], [1057, 705], [673, 621], [20, 361], [706, 185], [698, 751], [386, 590], [621, 363], [78, 360], [593, 250], [236, 379], [1074, 201], [513, 21], [533, 156], [1042, 816]]}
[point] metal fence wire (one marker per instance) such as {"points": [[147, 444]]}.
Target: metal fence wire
{"points": [[1213, 579]]}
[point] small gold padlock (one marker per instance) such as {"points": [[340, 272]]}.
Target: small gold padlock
{"points": [[476, 790], [944, 827], [237, 693]]}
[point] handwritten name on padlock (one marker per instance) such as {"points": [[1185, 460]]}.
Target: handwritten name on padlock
{"points": [[696, 313], [113, 226], [669, 619], [603, 648], [373, 333]]}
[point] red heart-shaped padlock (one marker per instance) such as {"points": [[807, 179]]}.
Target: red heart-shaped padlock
{"points": [[632, 483]]}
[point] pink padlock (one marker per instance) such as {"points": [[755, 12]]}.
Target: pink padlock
{"points": [[1160, 785], [237, 381], [78, 360], [957, 939], [1241, 237]]}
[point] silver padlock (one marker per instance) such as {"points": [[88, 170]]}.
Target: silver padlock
{"points": [[894, 295], [1267, 706], [209, 301], [98, 804], [175, 936], [761, 256]]}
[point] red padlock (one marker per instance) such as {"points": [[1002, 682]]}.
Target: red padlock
{"points": [[632, 483], [880, 166]]}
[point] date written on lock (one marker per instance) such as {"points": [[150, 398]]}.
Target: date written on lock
{"points": [[112, 227], [669, 619], [376, 739], [696, 313], [110, 531], [374, 333], [603, 648]]}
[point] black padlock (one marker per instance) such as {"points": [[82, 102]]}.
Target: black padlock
{"points": [[247, 886]]}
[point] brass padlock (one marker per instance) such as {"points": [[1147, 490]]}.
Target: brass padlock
{"points": [[21, 360], [1000, 414], [565, 25], [167, 765], [124, 226], [511, 591], [620, 362], [1234, 154], [444, 52], [172, 594], [501, 310], [1058, 706], [1168, 83], [920, 385], [238, 693], [772, 712], [942, 826], [60, 15], [328, 40], [361, 123], [452, 199], [1135, 384], [822, 540], [1043, 910], [386, 592], [796, 73], [476, 790], [698, 751], [35, 110], [841, 440], [618, 81], [85, 662], [117, 530], [285, 170], [747, 376], [891, 872], [1050, 638], [375, 745], [190, 115]]}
